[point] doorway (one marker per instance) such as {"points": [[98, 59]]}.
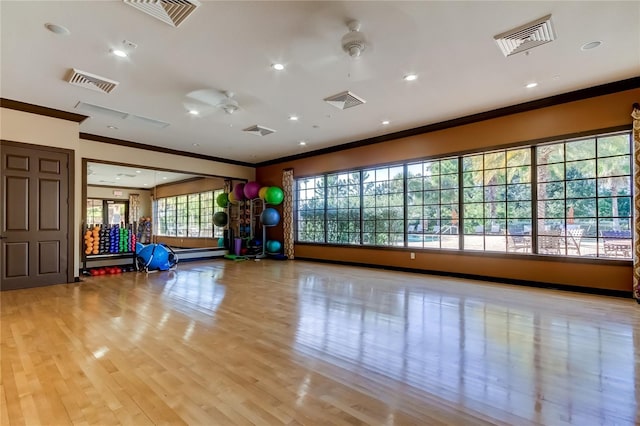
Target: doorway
{"points": [[36, 216]]}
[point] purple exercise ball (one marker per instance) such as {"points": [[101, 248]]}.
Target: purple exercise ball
{"points": [[251, 190], [238, 191]]}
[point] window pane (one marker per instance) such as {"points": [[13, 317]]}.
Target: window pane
{"points": [[614, 145], [95, 212], [581, 188], [547, 154], [581, 150], [614, 166]]}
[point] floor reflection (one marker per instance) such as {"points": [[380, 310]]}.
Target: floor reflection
{"points": [[534, 364], [205, 297]]}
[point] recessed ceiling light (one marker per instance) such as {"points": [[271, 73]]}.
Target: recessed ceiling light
{"points": [[385, 122], [590, 45], [138, 171], [293, 117], [164, 177], [117, 178], [410, 77], [531, 85], [146, 184], [57, 29], [195, 144], [303, 143], [112, 127], [119, 53], [194, 112], [277, 67]]}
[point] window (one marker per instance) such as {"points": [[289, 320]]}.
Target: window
{"points": [[310, 197], [432, 204], [188, 215], [193, 215], [566, 198], [496, 199], [107, 212], [343, 208], [95, 212], [383, 206], [584, 197]]}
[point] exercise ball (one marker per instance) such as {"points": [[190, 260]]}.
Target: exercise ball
{"points": [[156, 256], [232, 198], [238, 191], [274, 195], [273, 246], [220, 242], [220, 219], [270, 217], [263, 192], [222, 200], [251, 190]]}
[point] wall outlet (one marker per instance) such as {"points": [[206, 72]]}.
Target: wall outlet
{"points": [[413, 255]]}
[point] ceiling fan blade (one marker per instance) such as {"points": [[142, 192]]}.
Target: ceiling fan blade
{"points": [[207, 96]]}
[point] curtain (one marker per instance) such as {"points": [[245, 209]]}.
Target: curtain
{"points": [[287, 212], [134, 208], [636, 200]]}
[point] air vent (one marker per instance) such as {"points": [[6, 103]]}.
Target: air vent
{"points": [[93, 110], [91, 81], [147, 121], [259, 130], [344, 100], [526, 36], [172, 12]]}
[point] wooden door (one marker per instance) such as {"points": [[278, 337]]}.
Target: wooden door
{"points": [[34, 216]]}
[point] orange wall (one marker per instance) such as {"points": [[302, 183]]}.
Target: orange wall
{"points": [[186, 242], [570, 118]]}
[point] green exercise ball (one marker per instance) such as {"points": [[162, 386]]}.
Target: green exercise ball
{"points": [[222, 200], [220, 219], [274, 195]]}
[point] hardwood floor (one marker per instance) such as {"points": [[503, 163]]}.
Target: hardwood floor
{"points": [[271, 343]]}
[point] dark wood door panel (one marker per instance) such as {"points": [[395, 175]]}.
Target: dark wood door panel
{"points": [[34, 217], [49, 205], [16, 203]]}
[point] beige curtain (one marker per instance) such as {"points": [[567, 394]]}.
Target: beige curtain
{"points": [[636, 201], [134, 208], [287, 212]]}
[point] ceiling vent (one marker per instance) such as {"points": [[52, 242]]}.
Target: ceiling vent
{"points": [[93, 110], [344, 100], [259, 130], [172, 12], [526, 36], [91, 81]]}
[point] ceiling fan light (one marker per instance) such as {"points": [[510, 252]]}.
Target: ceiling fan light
{"points": [[229, 108]]}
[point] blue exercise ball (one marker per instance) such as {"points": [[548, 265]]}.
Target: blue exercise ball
{"points": [[155, 256], [273, 246], [270, 217]]}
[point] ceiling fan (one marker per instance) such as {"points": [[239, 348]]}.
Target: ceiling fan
{"points": [[205, 101]]}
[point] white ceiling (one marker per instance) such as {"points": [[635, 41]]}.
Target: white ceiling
{"points": [[118, 176], [231, 45]]}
